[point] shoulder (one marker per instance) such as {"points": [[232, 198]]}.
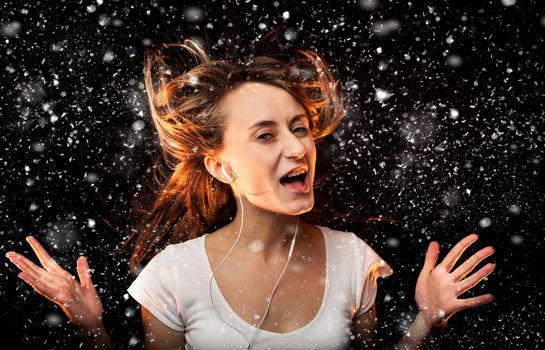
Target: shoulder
{"points": [[354, 247], [340, 239], [348, 238], [176, 256]]}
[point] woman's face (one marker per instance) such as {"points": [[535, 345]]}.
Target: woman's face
{"points": [[266, 137]]}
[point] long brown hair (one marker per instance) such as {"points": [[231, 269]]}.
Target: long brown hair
{"points": [[185, 109]]}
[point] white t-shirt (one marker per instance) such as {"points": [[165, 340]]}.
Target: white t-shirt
{"points": [[174, 287]]}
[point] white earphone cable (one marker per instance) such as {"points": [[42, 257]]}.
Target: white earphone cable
{"points": [[276, 285], [274, 289]]}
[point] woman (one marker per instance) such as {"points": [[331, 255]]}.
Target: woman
{"points": [[228, 262]]}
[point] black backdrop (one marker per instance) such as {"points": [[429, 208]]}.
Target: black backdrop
{"points": [[443, 133]]}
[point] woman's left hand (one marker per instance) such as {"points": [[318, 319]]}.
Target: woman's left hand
{"points": [[437, 288]]}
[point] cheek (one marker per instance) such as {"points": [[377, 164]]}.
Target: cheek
{"points": [[255, 170], [312, 148]]}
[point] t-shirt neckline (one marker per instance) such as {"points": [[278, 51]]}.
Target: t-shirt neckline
{"points": [[252, 328]]}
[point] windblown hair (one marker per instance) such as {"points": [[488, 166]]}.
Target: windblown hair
{"points": [[186, 112]]}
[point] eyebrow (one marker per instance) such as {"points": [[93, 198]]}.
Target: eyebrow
{"points": [[274, 123]]}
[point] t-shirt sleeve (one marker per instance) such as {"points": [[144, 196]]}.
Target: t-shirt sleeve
{"points": [[157, 288], [370, 266]]}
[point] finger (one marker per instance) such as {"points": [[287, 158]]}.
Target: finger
{"points": [[45, 259], [470, 263], [26, 265], [37, 272], [84, 272], [455, 253], [475, 301], [42, 288], [470, 282], [431, 257]]}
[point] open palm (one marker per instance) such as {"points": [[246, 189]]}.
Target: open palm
{"points": [[437, 288], [79, 300]]}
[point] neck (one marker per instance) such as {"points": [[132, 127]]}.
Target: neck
{"points": [[265, 236]]}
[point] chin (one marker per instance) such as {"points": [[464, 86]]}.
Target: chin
{"points": [[305, 209]]}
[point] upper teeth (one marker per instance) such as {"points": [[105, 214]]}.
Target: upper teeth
{"points": [[296, 173]]}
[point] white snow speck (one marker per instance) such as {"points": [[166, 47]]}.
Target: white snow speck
{"points": [[147, 42], [369, 5], [193, 14], [53, 319], [256, 246], [382, 65], [129, 312], [290, 34], [381, 95], [104, 20], [11, 29], [508, 2], [91, 177], [383, 28], [193, 80], [91, 223], [455, 60], [138, 125], [38, 147], [133, 341], [517, 239], [485, 222], [393, 242], [515, 209], [108, 57]]}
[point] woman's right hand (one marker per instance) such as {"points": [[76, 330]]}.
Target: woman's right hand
{"points": [[79, 300]]}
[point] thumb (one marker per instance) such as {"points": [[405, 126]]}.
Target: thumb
{"points": [[84, 272], [431, 257]]}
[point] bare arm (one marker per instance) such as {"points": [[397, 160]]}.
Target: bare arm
{"points": [[158, 336], [364, 330]]}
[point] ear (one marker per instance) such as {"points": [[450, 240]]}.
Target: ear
{"points": [[214, 168]]}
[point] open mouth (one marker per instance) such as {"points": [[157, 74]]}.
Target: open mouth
{"points": [[297, 184]]}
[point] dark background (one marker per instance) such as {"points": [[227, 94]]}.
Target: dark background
{"points": [[443, 136]]}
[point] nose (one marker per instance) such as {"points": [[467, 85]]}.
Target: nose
{"points": [[294, 147]]}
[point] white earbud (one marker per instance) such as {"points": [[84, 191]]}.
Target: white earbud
{"points": [[231, 180], [226, 174]]}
